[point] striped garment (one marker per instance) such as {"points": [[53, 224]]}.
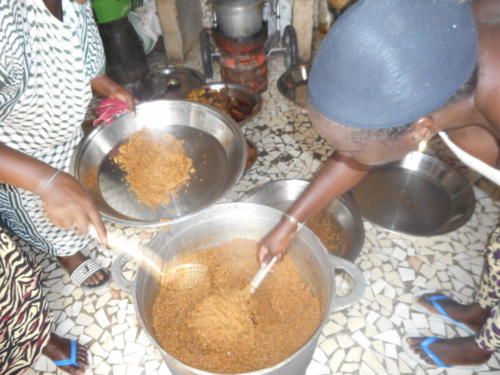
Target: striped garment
{"points": [[26, 322], [45, 70]]}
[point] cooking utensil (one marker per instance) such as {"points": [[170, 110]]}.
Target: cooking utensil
{"points": [[179, 277], [224, 222], [293, 84], [419, 195], [261, 275], [211, 139], [283, 193], [241, 93], [239, 18]]}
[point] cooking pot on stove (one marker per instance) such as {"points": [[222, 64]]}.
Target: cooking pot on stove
{"points": [[224, 222], [239, 18]]}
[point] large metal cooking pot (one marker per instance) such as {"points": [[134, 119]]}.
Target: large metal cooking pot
{"points": [[224, 222], [239, 18]]}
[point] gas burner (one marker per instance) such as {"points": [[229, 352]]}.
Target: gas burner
{"points": [[244, 60]]}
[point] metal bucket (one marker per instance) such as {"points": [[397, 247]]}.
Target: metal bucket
{"points": [[239, 18], [224, 222]]}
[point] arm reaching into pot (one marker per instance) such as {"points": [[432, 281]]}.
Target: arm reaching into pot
{"points": [[67, 203], [338, 175]]}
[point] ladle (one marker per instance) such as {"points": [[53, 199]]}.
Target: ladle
{"points": [[179, 277]]}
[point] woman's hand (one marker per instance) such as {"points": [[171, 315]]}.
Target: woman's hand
{"points": [[277, 242], [121, 93], [107, 87], [69, 206]]}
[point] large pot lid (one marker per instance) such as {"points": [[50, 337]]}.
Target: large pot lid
{"points": [[170, 83]]}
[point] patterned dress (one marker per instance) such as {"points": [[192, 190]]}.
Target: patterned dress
{"points": [[488, 338], [45, 70], [25, 319]]}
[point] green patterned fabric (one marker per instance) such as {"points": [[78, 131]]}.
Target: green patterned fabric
{"points": [[45, 70], [46, 66]]}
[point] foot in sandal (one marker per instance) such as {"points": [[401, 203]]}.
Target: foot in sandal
{"points": [[472, 316], [84, 271], [460, 353], [68, 355]]}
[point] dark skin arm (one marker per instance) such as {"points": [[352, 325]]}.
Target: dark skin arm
{"points": [[67, 204], [338, 175]]}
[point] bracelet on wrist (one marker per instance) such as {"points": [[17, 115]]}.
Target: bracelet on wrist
{"points": [[48, 182], [294, 221]]}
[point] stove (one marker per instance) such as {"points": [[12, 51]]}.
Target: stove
{"points": [[244, 41]]}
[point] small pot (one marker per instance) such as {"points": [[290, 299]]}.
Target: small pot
{"points": [[239, 18], [222, 223]]}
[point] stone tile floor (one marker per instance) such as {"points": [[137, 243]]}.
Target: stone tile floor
{"points": [[365, 338]]}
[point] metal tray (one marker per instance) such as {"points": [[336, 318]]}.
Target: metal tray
{"points": [[419, 195], [211, 139], [293, 85], [281, 195]]}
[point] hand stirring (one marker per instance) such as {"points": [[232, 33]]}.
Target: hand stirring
{"points": [[262, 273]]}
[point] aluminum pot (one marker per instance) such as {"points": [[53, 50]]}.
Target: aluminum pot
{"points": [[224, 222], [239, 18]]}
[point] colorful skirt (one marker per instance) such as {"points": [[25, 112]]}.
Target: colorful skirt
{"points": [[25, 318]]}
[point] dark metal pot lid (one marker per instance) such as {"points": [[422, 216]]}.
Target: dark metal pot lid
{"points": [[293, 85], [170, 83]]}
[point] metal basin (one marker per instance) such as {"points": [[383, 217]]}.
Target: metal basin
{"points": [[173, 82], [211, 139], [419, 195], [248, 99], [282, 194], [224, 222], [293, 85]]}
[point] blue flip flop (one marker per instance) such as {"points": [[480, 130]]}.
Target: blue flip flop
{"points": [[435, 299], [438, 363], [72, 361]]}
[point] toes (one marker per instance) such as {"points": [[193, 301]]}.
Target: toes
{"points": [[82, 356], [95, 279]]}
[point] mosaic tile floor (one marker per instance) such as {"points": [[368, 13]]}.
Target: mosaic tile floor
{"points": [[365, 338]]}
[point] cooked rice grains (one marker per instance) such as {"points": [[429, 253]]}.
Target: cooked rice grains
{"points": [[157, 166], [219, 327]]}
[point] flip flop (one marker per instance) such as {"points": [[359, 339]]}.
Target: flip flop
{"points": [[86, 270], [438, 363], [72, 360], [443, 315]]}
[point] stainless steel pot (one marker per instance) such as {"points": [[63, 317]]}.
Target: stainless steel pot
{"points": [[239, 18], [221, 223]]}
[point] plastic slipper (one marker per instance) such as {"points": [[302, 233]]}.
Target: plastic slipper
{"points": [[72, 361], [86, 270], [437, 361], [443, 315]]}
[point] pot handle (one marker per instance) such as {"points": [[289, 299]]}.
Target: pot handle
{"points": [[342, 302], [117, 271]]}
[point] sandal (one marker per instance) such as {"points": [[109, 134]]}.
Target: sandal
{"points": [[443, 315], [86, 270], [437, 361], [72, 360]]}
